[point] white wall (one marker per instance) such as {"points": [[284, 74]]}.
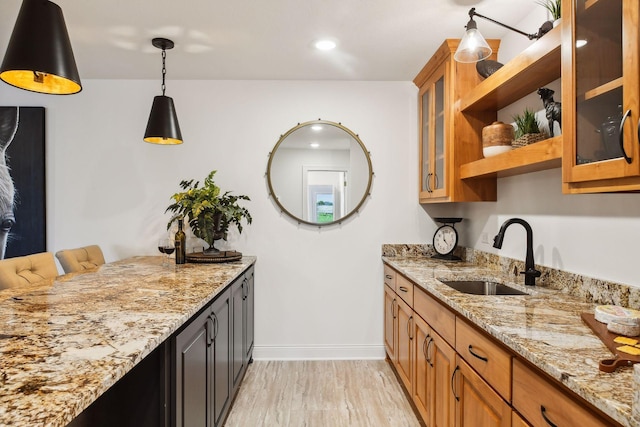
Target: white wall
{"points": [[319, 291]]}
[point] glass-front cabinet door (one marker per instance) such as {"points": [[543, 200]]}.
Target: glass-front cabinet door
{"points": [[600, 95], [432, 137]]}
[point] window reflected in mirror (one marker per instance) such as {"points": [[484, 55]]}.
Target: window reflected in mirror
{"points": [[319, 173]]}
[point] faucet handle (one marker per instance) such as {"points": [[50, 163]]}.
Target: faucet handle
{"points": [[530, 276]]}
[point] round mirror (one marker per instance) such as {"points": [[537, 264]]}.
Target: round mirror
{"points": [[319, 173]]}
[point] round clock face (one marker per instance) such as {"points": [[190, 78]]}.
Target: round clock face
{"points": [[445, 240]]}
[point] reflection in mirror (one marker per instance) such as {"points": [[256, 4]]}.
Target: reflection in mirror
{"points": [[319, 173]]}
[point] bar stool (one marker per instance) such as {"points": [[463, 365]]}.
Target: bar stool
{"points": [[26, 270], [80, 259]]}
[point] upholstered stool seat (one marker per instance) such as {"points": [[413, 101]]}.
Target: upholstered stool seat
{"points": [[73, 260], [26, 270]]}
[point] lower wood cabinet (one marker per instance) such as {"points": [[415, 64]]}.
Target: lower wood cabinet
{"points": [[477, 404], [211, 354], [390, 322], [458, 376], [404, 351], [542, 403]]}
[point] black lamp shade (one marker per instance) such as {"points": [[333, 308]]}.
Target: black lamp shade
{"points": [[163, 127], [39, 57]]}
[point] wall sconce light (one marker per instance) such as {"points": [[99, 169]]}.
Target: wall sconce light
{"points": [[39, 56], [163, 127], [474, 48]]}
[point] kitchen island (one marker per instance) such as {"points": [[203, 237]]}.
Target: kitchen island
{"points": [[65, 342], [544, 329]]}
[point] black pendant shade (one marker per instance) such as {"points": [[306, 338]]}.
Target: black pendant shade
{"points": [[39, 57], [163, 127]]}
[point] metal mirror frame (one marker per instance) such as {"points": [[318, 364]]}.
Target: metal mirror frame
{"points": [[367, 156]]}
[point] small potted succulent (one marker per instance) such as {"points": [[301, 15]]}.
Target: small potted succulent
{"points": [[208, 212], [527, 129]]}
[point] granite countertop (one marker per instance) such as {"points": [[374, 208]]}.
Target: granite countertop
{"points": [[64, 342], [544, 328]]}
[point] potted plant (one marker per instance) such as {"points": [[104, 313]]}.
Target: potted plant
{"points": [[553, 6], [208, 212], [527, 129]]}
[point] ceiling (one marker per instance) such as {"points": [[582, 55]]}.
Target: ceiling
{"points": [[266, 39]]}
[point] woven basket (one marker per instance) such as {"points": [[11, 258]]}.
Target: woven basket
{"points": [[529, 138]]}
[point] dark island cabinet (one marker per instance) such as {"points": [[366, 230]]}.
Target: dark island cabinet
{"points": [[211, 356]]}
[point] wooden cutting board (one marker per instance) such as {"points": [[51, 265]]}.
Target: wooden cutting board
{"points": [[607, 337]]}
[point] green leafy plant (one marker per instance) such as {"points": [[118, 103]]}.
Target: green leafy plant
{"points": [[208, 212], [553, 6], [527, 122]]}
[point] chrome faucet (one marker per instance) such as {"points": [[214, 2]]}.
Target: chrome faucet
{"points": [[530, 272]]}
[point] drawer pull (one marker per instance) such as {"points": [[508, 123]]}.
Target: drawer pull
{"points": [[544, 415], [453, 377], [388, 276], [404, 289], [484, 359]]}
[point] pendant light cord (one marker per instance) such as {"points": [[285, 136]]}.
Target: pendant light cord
{"points": [[164, 69]]}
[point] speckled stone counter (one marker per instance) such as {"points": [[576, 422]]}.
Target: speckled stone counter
{"points": [[544, 328], [66, 341]]}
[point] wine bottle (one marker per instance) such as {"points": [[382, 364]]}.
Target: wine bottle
{"points": [[180, 243]]}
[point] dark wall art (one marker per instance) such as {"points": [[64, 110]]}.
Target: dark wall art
{"points": [[22, 181]]}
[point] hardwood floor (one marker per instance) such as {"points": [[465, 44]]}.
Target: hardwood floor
{"points": [[321, 393]]}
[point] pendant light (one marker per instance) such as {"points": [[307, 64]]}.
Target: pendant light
{"points": [[39, 56], [163, 127]]}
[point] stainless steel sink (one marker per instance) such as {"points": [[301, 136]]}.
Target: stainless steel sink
{"points": [[482, 287]]}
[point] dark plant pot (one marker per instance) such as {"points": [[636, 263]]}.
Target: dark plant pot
{"points": [[217, 235]]}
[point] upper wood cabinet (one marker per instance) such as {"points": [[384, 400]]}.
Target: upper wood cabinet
{"points": [[441, 82], [600, 92]]}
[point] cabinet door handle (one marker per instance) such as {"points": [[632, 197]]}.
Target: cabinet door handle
{"points": [[543, 411], [429, 357], [435, 179], [484, 359], [209, 327], [393, 308], [404, 289], [429, 190], [453, 377], [425, 348], [409, 327], [621, 136], [215, 327]]}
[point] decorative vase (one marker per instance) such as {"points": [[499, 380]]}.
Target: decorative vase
{"points": [[216, 234], [497, 138]]}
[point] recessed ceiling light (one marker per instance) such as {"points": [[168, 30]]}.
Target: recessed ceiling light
{"points": [[580, 43], [314, 145], [325, 44]]}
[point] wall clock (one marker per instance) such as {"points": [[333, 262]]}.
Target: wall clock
{"points": [[445, 239]]}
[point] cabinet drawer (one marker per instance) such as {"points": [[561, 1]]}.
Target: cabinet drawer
{"points": [[536, 398], [440, 318], [404, 289], [492, 362], [390, 277]]}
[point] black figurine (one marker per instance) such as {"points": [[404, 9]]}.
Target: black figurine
{"points": [[553, 109]]}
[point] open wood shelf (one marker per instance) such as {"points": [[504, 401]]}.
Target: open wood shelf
{"points": [[535, 67], [546, 154]]}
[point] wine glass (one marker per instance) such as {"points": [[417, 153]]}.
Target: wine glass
{"points": [[165, 246]]}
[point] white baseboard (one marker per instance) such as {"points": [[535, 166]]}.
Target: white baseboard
{"points": [[338, 352]]}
